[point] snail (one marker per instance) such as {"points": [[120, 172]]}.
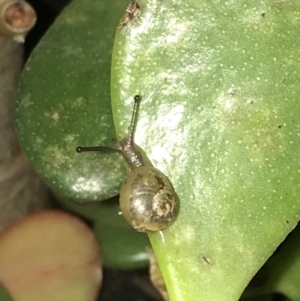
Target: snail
{"points": [[147, 199]]}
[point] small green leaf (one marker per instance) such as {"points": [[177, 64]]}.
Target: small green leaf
{"points": [[220, 117], [64, 101]]}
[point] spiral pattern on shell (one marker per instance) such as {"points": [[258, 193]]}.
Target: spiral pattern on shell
{"points": [[147, 200]]}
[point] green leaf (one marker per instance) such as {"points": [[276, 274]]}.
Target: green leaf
{"points": [[64, 101], [220, 117]]}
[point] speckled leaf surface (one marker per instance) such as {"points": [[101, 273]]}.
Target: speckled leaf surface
{"points": [[220, 117], [64, 101]]}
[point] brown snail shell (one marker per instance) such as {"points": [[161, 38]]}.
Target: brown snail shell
{"points": [[147, 200]]}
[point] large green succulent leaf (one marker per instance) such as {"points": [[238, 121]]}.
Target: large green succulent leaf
{"points": [[64, 101], [220, 117]]}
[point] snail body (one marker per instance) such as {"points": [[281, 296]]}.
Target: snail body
{"points": [[147, 199]]}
